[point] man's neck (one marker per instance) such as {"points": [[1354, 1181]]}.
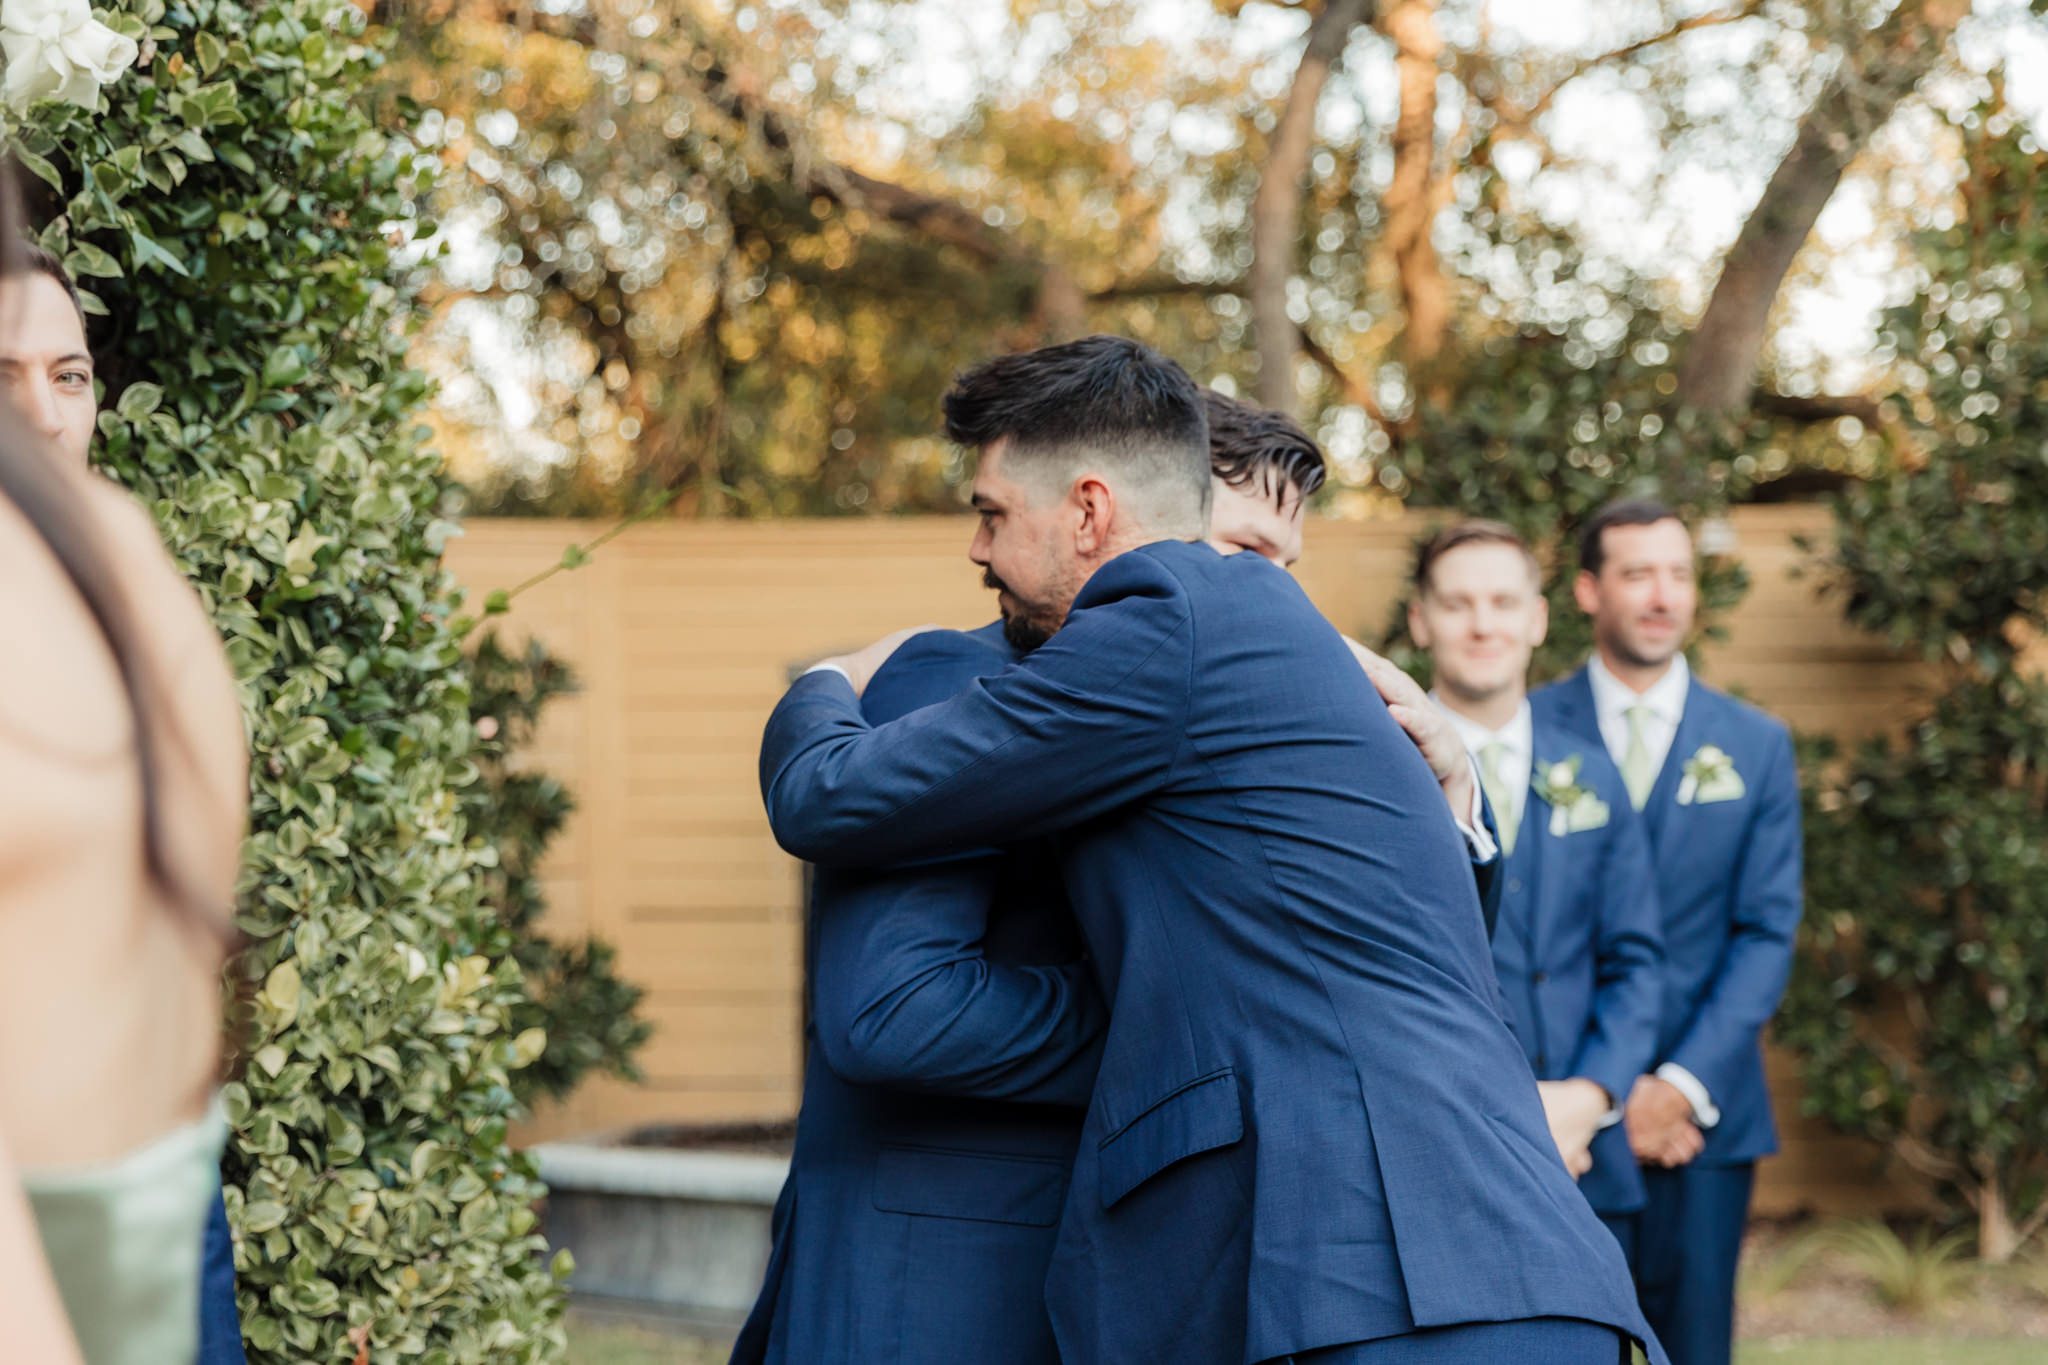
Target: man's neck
{"points": [[1494, 713], [1637, 678]]}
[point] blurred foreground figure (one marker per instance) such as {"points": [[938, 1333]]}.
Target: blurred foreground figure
{"points": [[121, 817]]}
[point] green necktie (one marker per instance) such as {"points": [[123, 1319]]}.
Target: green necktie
{"points": [[1490, 756], [1636, 769]]}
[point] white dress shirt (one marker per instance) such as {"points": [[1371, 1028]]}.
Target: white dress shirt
{"points": [[1665, 701], [1612, 699]]}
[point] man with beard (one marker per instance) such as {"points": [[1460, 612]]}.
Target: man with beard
{"points": [[955, 1030], [1719, 796], [1311, 1137]]}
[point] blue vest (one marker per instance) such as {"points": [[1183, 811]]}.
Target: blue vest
{"points": [[1578, 948]]}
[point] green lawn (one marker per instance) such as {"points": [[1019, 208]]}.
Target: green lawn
{"points": [[1893, 1351], [592, 1345]]}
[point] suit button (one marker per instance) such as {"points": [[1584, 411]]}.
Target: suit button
{"points": [[1515, 885], [1540, 977], [1542, 1060]]}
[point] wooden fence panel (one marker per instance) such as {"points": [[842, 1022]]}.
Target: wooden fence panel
{"points": [[683, 634]]}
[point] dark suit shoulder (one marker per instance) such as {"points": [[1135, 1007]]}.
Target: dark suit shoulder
{"points": [[1562, 694], [931, 667], [1158, 571], [1744, 714]]}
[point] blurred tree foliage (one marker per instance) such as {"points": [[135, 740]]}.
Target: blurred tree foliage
{"points": [[588, 1013], [737, 248], [1918, 1008]]}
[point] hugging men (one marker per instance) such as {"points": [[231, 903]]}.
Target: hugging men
{"points": [[1310, 1135]]}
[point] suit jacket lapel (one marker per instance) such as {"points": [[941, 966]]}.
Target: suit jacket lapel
{"points": [[1575, 710]]}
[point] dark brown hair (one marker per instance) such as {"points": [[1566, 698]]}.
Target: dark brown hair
{"points": [[52, 507], [1477, 531], [1626, 512], [1246, 443]]}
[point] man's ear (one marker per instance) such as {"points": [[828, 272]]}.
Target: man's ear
{"points": [[1586, 592], [1095, 502], [1542, 631], [1418, 627]]}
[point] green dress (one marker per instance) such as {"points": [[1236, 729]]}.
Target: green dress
{"points": [[124, 1240]]}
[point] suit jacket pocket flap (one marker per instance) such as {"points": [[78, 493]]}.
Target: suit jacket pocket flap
{"points": [[990, 1187], [1201, 1115]]}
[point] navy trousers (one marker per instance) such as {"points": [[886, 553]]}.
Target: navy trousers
{"points": [[1688, 1239], [220, 1325], [1532, 1341]]}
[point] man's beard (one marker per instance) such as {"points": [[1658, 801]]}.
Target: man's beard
{"points": [[1023, 633]]}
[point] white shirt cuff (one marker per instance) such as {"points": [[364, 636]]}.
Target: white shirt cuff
{"points": [[1473, 826], [1685, 1083], [828, 667]]}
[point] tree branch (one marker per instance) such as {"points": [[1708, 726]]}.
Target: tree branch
{"points": [[1525, 117], [1168, 286], [1825, 408], [1276, 206], [1718, 370], [1355, 390]]}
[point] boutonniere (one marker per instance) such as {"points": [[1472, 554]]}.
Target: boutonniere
{"points": [[1573, 809], [1710, 776]]}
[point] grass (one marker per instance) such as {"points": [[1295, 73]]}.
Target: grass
{"points": [[594, 1345], [1891, 1351], [590, 1344], [1914, 1276]]}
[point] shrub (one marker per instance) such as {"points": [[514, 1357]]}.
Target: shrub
{"points": [[237, 213], [587, 1011], [1917, 1005]]}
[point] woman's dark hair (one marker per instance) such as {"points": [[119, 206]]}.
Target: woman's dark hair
{"points": [[43, 495], [36, 261]]}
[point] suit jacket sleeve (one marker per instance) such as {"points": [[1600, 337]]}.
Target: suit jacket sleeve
{"points": [[1745, 992], [904, 996], [1620, 1041], [902, 993], [1088, 722]]}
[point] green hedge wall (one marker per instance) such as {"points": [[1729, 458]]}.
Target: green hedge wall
{"points": [[237, 211]]}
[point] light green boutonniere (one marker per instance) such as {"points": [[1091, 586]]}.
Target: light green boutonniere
{"points": [[1710, 776], [1573, 808]]}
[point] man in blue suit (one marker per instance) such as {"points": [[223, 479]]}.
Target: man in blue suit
{"points": [[1715, 782], [1312, 1136], [1578, 947], [954, 1035]]}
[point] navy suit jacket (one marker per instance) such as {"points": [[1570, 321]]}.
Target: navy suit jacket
{"points": [[1311, 1124], [917, 1227], [1580, 953], [1728, 885]]}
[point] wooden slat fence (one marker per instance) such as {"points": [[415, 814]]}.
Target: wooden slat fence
{"points": [[683, 634]]}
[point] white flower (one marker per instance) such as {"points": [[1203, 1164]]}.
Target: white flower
{"points": [[56, 50], [1560, 777]]}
